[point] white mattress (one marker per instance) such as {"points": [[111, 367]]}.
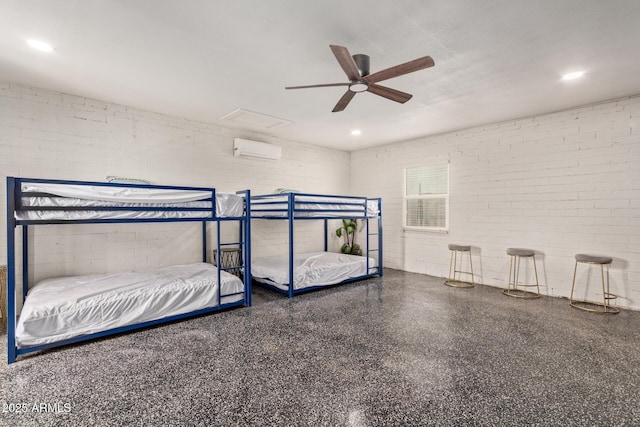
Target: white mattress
{"points": [[338, 207], [311, 269], [62, 308], [227, 204]]}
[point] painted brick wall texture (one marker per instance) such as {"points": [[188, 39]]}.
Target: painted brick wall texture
{"points": [[561, 184], [45, 134]]}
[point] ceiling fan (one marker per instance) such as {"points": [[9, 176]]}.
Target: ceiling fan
{"points": [[356, 68]]}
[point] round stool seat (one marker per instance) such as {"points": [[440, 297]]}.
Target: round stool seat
{"points": [[520, 252], [462, 248], [594, 259]]}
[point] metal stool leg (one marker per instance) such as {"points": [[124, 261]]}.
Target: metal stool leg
{"points": [[607, 295], [512, 273], [452, 264], [535, 271], [604, 293], [473, 283], [573, 284]]}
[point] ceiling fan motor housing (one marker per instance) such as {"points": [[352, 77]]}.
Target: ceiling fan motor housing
{"points": [[362, 62]]}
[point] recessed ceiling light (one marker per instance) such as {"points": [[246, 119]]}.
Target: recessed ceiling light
{"points": [[356, 132], [40, 45], [574, 75]]}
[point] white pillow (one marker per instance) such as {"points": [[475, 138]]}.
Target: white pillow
{"points": [[123, 180], [286, 190]]}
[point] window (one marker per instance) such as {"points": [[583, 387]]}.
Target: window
{"points": [[426, 198]]}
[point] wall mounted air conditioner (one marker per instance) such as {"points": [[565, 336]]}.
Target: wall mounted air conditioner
{"points": [[255, 149]]}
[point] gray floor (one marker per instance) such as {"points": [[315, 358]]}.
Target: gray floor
{"points": [[402, 350]]}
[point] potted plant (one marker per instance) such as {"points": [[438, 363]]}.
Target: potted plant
{"points": [[348, 230]]}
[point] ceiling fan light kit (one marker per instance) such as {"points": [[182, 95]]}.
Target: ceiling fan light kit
{"points": [[358, 87], [356, 67]]}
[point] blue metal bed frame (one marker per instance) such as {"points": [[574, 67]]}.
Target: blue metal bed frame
{"points": [[14, 204], [295, 212]]}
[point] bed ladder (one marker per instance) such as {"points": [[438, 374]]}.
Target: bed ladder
{"points": [[375, 232], [371, 232], [244, 248]]}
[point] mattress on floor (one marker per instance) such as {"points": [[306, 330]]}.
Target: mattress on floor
{"points": [[82, 196], [62, 308], [311, 269], [314, 206]]}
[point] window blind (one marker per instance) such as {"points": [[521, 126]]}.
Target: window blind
{"points": [[427, 180], [426, 197]]}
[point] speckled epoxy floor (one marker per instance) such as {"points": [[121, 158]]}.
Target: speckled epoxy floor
{"points": [[401, 350]]}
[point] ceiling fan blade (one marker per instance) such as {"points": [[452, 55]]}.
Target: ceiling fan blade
{"points": [[399, 70], [320, 85], [387, 92], [344, 101], [346, 62]]}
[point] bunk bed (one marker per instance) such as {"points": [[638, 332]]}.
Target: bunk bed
{"points": [[302, 272], [61, 311]]}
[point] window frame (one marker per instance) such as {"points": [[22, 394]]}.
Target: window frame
{"points": [[405, 198]]}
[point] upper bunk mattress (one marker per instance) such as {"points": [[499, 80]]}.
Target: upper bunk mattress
{"points": [[314, 206], [67, 307], [53, 197], [311, 269]]}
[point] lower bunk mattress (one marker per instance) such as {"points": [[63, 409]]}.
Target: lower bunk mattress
{"points": [[311, 269], [67, 307]]}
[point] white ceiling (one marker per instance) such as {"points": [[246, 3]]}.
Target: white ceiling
{"points": [[202, 59]]}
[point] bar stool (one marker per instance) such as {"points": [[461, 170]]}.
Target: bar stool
{"points": [[594, 307], [515, 254], [454, 281]]}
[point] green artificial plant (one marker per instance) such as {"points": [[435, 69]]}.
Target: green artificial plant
{"points": [[348, 230]]}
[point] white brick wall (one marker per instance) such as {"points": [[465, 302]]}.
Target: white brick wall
{"points": [[561, 183], [46, 134]]}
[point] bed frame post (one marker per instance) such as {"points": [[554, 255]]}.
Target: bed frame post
{"points": [[326, 234], [25, 262], [290, 216], [218, 264], [380, 257], [11, 272], [247, 248], [204, 241], [366, 222]]}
